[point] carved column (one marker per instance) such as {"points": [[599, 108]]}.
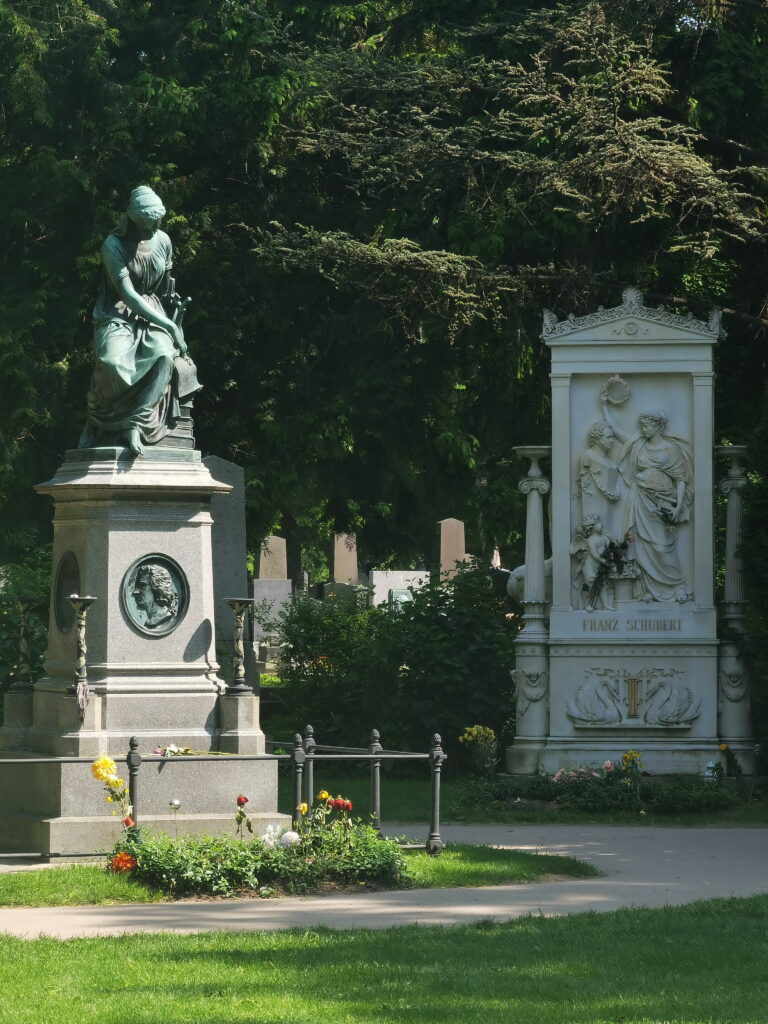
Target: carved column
{"points": [[531, 673], [733, 704]]}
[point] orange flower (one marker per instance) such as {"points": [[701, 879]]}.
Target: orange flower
{"points": [[122, 862]]}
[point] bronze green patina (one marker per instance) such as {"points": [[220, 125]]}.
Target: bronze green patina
{"points": [[142, 372], [154, 595]]}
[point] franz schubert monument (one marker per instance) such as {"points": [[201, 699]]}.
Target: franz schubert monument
{"points": [[620, 645]]}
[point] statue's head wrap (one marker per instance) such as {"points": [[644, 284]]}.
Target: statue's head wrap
{"points": [[143, 202]]}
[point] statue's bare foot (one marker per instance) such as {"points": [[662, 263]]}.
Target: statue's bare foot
{"points": [[133, 439]]}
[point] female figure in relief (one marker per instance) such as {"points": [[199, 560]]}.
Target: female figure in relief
{"points": [[658, 472], [132, 400], [598, 474]]}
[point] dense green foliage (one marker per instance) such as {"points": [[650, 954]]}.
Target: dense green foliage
{"points": [[371, 203], [24, 590], [438, 663], [225, 865], [582, 793]]}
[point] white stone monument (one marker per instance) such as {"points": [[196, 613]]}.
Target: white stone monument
{"points": [[626, 653]]}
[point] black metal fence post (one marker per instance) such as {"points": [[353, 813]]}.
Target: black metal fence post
{"points": [[375, 747], [134, 763], [297, 759], [434, 844], [309, 765]]}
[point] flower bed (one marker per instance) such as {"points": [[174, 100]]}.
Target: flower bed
{"points": [[619, 785], [329, 849]]}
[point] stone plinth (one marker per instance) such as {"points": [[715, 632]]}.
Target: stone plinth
{"points": [[110, 513], [59, 808], [134, 533]]}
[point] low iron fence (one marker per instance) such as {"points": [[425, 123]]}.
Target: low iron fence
{"points": [[303, 753]]}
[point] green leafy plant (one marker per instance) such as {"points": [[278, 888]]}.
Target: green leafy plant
{"points": [[600, 789], [329, 848], [24, 589], [405, 672], [481, 748]]}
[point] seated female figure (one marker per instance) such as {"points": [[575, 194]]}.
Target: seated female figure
{"points": [[132, 400]]}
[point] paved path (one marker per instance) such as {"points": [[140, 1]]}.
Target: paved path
{"points": [[648, 867]]}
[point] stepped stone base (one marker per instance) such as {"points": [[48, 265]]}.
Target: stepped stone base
{"points": [[58, 808]]}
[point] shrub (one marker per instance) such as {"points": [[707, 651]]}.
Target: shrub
{"points": [[686, 796], [584, 792], [407, 672], [24, 589], [225, 865]]}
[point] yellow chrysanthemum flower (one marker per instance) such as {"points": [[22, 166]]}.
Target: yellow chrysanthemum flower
{"points": [[104, 768], [115, 783], [323, 794], [303, 808]]}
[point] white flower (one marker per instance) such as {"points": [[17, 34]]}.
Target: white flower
{"points": [[271, 836], [289, 838]]}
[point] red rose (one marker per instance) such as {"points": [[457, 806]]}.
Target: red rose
{"points": [[338, 804], [347, 805], [242, 800], [129, 822]]}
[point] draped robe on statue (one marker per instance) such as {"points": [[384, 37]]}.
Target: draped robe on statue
{"points": [[652, 476], [131, 385]]}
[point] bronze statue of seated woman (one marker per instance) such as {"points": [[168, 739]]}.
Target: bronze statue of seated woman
{"points": [[142, 373]]}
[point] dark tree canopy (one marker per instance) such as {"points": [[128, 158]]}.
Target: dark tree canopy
{"points": [[371, 203]]}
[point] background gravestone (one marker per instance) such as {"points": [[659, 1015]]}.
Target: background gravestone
{"points": [[452, 549], [272, 590], [344, 559], [383, 581]]}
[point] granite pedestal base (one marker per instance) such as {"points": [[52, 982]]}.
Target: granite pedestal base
{"points": [[135, 534], [58, 808]]}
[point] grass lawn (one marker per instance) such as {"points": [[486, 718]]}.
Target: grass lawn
{"points": [[458, 865], [699, 964], [408, 800]]}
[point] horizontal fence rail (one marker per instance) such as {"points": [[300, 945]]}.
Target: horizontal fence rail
{"points": [[302, 756]]}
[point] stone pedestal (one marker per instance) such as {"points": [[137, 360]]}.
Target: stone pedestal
{"points": [[135, 533], [57, 808], [239, 729], [160, 685]]}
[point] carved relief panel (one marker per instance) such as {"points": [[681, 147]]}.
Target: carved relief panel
{"points": [[648, 698], [632, 493]]}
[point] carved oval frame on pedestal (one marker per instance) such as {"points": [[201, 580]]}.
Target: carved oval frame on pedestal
{"points": [[67, 582], [154, 595]]}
